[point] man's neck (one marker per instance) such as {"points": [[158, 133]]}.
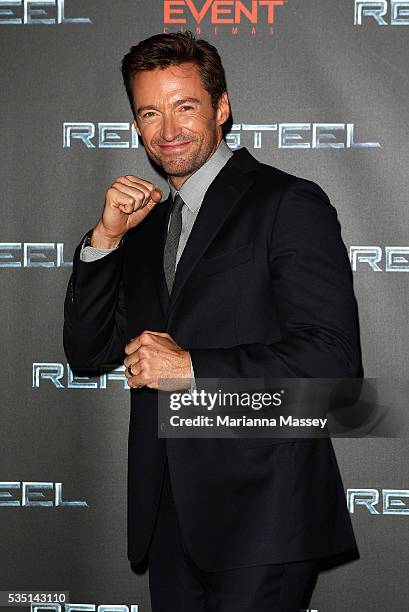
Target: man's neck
{"points": [[177, 181]]}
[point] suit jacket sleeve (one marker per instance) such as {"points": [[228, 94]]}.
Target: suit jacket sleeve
{"points": [[94, 311], [311, 279]]}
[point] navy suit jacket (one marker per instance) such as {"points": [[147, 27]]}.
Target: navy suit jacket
{"points": [[263, 289]]}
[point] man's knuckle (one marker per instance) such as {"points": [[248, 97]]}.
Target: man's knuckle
{"points": [[144, 352]]}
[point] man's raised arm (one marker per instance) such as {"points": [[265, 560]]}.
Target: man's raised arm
{"points": [[94, 308]]}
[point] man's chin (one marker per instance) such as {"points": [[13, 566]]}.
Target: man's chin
{"points": [[180, 172], [178, 167], [175, 167]]}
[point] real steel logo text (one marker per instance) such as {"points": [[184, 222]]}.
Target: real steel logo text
{"points": [[222, 15], [37, 12], [64, 378], [299, 135], [381, 12], [15, 494], [46, 255], [35, 495]]}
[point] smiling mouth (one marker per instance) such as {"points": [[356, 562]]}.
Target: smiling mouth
{"points": [[174, 147]]}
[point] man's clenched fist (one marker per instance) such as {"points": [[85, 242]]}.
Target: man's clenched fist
{"points": [[127, 202], [154, 356]]}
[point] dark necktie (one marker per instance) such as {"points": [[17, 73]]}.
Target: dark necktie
{"points": [[172, 242]]}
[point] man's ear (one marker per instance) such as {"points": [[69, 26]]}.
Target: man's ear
{"points": [[223, 109], [136, 127]]}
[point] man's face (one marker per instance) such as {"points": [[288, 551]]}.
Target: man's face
{"points": [[175, 119]]}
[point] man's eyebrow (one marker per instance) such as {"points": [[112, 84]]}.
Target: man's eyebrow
{"points": [[176, 103]]}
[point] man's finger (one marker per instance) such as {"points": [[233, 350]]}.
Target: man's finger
{"points": [[136, 379], [156, 333], [139, 380], [144, 338], [131, 360], [133, 345], [156, 193]]}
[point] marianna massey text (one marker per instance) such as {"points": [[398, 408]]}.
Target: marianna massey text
{"points": [[245, 421]]}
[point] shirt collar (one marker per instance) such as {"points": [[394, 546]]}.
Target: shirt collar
{"points": [[194, 188]]}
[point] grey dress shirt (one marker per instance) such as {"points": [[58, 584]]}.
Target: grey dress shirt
{"points": [[192, 193]]}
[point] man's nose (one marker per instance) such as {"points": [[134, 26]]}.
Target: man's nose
{"points": [[170, 128]]}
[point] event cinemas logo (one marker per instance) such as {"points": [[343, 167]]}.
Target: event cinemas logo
{"points": [[382, 12], [36, 12], [220, 12]]}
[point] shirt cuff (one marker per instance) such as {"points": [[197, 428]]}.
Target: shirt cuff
{"points": [[89, 253]]}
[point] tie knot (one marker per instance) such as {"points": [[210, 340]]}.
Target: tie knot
{"points": [[177, 203]]}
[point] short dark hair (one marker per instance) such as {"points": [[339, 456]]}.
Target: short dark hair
{"points": [[163, 50]]}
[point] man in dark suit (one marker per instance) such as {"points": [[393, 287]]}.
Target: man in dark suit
{"points": [[240, 272]]}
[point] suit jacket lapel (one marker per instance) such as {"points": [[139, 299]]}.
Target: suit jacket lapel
{"points": [[226, 190]]}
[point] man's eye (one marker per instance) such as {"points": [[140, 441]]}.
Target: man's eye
{"points": [[147, 115], [186, 107]]}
